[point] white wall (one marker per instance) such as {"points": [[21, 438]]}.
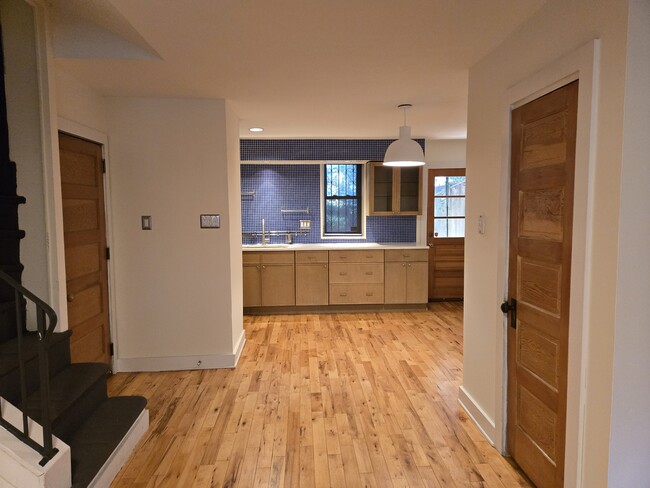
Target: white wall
{"points": [[79, 103], [557, 29], [24, 117], [172, 288], [445, 153], [629, 445]]}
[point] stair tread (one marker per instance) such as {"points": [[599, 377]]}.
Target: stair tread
{"points": [[9, 349], [66, 388], [96, 439]]}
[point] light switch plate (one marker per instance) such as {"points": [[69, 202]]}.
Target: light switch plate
{"points": [[146, 222], [305, 224], [210, 221]]}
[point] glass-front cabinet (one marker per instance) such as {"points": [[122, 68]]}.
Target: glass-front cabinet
{"points": [[395, 190]]}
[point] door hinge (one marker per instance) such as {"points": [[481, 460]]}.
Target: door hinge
{"points": [[111, 349], [108, 253], [103, 165]]}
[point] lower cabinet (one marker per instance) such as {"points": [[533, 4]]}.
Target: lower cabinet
{"points": [[269, 279], [312, 275], [406, 276], [287, 278]]}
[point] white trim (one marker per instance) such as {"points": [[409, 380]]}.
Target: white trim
{"points": [[308, 161], [120, 455], [582, 64], [477, 414], [364, 202], [181, 363]]}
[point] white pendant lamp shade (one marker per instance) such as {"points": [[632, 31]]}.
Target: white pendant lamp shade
{"points": [[404, 151]]}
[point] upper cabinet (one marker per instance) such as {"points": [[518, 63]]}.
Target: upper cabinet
{"points": [[395, 190]]}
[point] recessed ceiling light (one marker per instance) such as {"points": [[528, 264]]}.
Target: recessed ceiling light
{"points": [[256, 129]]}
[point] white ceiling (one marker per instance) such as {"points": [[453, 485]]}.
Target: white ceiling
{"points": [[298, 68]]}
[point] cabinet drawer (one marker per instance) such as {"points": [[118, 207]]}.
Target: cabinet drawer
{"points": [[251, 257], [402, 255], [356, 294], [311, 257], [367, 256], [357, 273], [277, 257]]}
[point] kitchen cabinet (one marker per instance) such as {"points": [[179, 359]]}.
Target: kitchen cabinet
{"points": [[312, 275], [269, 279], [395, 190], [406, 276], [356, 277]]}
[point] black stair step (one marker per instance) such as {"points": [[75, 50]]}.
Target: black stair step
{"points": [[59, 359], [9, 211], [74, 393], [8, 329], [10, 246], [15, 271], [98, 436]]}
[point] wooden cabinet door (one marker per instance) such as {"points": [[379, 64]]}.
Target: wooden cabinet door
{"points": [[312, 284], [395, 284], [417, 282], [278, 285], [252, 286], [382, 198]]}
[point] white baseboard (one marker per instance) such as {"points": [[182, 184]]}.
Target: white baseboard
{"points": [[477, 414], [121, 454], [179, 363]]}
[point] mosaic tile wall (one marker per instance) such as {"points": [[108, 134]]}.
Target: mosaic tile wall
{"points": [[297, 187], [315, 149]]}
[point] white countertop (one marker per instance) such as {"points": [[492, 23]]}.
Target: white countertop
{"points": [[333, 246]]}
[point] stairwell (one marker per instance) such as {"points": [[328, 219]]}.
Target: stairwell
{"points": [[81, 413]]}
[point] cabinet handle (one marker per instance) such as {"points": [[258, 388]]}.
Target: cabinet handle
{"points": [[324, 266], [343, 257], [343, 294], [343, 273], [409, 265], [369, 294], [263, 267], [403, 265], [368, 272], [406, 255], [258, 266]]}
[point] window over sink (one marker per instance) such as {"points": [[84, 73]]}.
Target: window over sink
{"points": [[342, 200]]}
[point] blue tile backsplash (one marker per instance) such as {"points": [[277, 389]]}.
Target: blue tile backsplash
{"points": [[315, 149], [296, 186]]}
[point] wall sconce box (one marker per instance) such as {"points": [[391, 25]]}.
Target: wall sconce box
{"points": [[210, 221], [146, 222]]}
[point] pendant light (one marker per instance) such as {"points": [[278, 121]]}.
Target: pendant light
{"points": [[404, 151]]}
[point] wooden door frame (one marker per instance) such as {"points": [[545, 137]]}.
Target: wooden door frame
{"points": [[580, 64], [77, 130]]}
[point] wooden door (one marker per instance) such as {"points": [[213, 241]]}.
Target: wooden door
{"points": [[84, 226], [446, 233], [541, 217]]}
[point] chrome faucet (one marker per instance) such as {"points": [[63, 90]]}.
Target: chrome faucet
{"points": [[265, 240]]}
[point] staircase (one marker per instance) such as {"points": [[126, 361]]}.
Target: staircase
{"points": [[79, 410], [69, 400]]}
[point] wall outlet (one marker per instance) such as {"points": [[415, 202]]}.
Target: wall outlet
{"points": [[305, 224]]}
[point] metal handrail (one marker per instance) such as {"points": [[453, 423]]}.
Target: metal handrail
{"points": [[43, 311]]}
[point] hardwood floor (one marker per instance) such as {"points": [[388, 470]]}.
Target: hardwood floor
{"points": [[347, 400]]}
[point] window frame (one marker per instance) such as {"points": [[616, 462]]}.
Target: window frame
{"points": [[440, 172], [361, 198]]}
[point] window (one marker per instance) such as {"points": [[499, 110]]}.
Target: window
{"points": [[449, 206], [342, 204]]}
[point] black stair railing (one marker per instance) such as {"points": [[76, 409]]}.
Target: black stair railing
{"points": [[45, 324]]}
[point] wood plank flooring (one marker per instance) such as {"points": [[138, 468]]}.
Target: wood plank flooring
{"points": [[341, 400]]}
